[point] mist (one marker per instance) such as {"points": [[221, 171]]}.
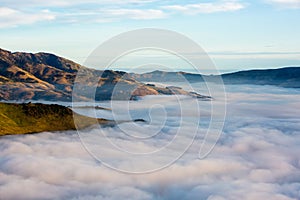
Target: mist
{"points": [[256, 157]]}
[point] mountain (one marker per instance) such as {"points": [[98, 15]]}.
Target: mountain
{"points": [[283, 77], [163, 76], [44, 76], [35, 76], [34, 118]]}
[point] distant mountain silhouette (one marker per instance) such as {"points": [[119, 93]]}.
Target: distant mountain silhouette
{"points": [[163, 76], [44, 76], [283, 77]]}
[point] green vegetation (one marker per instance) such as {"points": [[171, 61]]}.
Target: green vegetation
{"points": [[34, 118]]}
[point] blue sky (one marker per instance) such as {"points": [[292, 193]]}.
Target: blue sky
{"points": [[236, 34]]}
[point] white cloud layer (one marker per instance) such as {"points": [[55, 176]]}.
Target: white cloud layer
{"points": [[92, 11], [134, 13], [67, 3], [257, 157], [11, 17], [221, 6]]}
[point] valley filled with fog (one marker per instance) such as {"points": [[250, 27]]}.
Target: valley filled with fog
{"points": [[256, 157]]}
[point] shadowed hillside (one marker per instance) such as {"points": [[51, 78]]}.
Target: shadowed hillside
{"points": [[34, 118]]}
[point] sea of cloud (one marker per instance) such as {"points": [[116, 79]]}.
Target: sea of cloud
{"points": [[256, 157]]}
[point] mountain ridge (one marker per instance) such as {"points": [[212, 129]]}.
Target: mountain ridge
{"points": [[44, 76], [283, 77]]}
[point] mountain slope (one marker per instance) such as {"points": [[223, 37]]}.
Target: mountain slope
{"points": [[44, 76], [32, 76], [34, 118]]}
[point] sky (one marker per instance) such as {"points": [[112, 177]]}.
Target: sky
{"points": [[236, 34]]}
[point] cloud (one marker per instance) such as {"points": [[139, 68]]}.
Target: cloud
{"points": [[257, 156], [110, 15], [67, 3], [213, 7], [141, 14], [290, 4], [11, 17], [92, 11]]}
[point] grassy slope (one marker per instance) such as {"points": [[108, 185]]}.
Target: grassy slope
{"points": [[34, 118]]}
